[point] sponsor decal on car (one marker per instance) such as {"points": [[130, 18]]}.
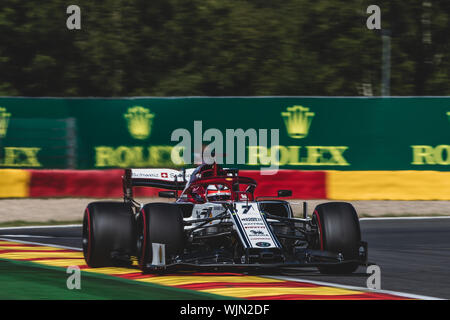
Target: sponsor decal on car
{"points": [[251, 226], [263, 244], [257, 232], [251, 219]]}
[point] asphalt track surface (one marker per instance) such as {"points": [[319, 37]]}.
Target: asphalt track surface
{"points": [[413, 253]]}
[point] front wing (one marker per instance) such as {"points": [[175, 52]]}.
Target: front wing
{"points": [[306, 259]]}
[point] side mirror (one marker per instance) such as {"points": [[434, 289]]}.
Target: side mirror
{"points": [[284, 193], [167, 194]]}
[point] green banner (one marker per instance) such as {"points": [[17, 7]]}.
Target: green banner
{"points": [[314, 133]]}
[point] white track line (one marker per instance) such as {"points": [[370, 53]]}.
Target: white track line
{"points": [[404, 218], [41, 244], [42, 227], [329, 284], [32, 236]]}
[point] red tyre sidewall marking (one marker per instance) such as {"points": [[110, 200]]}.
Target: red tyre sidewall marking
{"points": [[89, 236], [144, 244], [320, 229]]}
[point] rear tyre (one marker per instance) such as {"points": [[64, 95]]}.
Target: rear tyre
{"points": [[108, 233], [159, 223], [339, 232]]}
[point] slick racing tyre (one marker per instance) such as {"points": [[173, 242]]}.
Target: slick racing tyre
{"points": [[108, 233], [159, 223], [339, 232]]}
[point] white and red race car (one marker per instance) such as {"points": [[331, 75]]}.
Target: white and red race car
{"points": [[217, 223]]}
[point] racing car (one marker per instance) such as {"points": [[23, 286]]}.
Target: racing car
{"points": [[216, 222]]}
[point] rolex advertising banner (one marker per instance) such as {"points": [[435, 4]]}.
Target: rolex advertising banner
{"points": [[306, 133]]}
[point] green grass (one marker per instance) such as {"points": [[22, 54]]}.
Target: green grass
{"points": [[26, 280]]}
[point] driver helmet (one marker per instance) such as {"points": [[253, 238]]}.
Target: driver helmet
{"points": [[218, 192]]}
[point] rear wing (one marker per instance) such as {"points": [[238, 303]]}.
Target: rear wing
{"points": [[158, 178]]}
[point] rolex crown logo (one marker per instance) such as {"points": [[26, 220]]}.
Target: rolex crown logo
{"points": [[297, 120], [448, 114], [4, 121], [139, 122]]}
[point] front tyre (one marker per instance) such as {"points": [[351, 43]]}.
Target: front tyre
{"points": [[108, 233], [159, 223], [339, 232]]}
